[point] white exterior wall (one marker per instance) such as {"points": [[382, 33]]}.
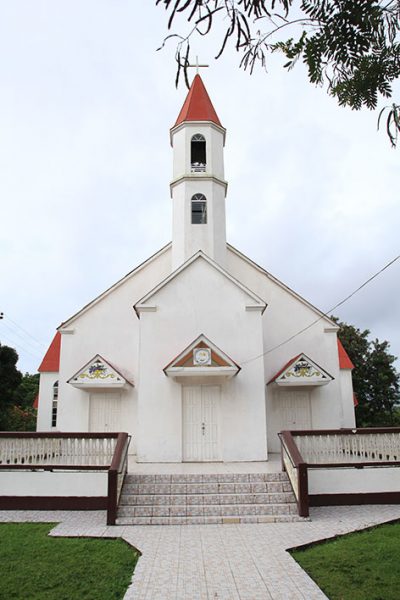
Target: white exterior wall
{"points": [[45, 483], [200, 300], [181, 137], [332, 404], [353, 481], [109, 328], [47, 380], [346, 384], [188, 238]]}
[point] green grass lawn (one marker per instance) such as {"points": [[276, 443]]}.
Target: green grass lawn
{"points": [[34, 566], [358, 566]]}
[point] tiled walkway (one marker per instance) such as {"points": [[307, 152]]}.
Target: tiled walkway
{"points": [[218, 562]]}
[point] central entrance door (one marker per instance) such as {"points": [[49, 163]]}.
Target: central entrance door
{"points": [[201, 422]]}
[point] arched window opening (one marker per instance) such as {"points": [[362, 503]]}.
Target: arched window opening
{"points": [[54, 405], [198, 153], [199, 209]]}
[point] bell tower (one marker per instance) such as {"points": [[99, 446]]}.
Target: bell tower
{"points": [[198, 188]]}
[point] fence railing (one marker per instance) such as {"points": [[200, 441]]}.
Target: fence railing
{"points": [[335, 449], [66, 450], [61, 451], [349, 446]]}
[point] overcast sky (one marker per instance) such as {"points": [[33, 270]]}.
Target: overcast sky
{"points": [[86, 104]]}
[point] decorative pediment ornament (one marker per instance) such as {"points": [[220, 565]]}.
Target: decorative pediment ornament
{"points": [[98, 373], [301, 370], [201, 359]]}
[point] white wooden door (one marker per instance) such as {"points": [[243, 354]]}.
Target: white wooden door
{"points": [[105, 412], [295, 410], [200, 423]]}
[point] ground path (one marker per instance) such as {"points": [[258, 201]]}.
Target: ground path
{"points": [[218, 562]]}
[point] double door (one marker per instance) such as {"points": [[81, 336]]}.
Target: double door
{"points": [[201, 423]]}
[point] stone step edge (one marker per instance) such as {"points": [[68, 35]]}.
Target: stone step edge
{"points": [[204, 478], [165, 507], [228, 520], [206, 497]]}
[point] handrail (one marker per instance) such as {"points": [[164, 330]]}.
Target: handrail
{"points": [[117, 471], [297, 471]]}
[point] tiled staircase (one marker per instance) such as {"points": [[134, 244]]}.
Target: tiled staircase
{"points": [[215, 498]]}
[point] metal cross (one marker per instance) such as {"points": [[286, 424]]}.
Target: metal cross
{"points": [[197, 65]]}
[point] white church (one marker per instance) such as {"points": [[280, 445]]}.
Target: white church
{"points": [[188, 353]]}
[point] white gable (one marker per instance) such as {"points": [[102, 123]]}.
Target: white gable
{"points": [[253, 302], [202, 359], [98, 373], [302, 371]]}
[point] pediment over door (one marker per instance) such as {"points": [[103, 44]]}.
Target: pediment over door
{"points": [[202, 359], [99, 374], [301, 371]]}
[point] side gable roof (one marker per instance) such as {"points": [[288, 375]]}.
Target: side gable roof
{"points": [[115, 286], [256, 302], [344, 358], [51, 360], [301, 370], [332, 324]]}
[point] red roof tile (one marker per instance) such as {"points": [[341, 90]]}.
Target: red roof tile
{"points": [[197, 106], [51, 361], [344, 359]]}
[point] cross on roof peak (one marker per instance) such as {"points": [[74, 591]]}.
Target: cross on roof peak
{"points": [[197, 65]]}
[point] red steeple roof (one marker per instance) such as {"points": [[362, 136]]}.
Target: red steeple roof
{"points": [[344, 358], [51, 361], [197, 106]]}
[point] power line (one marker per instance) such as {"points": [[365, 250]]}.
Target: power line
{"points": [[24, 339], [10, 341], [325, 314], [24, 330]]}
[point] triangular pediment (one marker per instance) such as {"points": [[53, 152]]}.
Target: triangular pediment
{"points": [[301, 370], [147, 303], [202, 358], [99, 373]]}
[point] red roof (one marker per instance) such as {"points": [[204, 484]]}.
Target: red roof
{"points": [[197, 106], [344, 359], [51, 361]]}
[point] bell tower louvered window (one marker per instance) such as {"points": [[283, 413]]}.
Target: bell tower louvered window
{"points": [[199, 209], [198, 153]]}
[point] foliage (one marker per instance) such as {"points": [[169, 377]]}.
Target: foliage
{"points": [[39, 567], [10, 378], [27, 390], [375, 380], [19, 419], [350, 45], [358, 565], [17, 394]]}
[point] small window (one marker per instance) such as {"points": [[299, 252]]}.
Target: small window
{"points": [[198, 153], [54, 405], [199, 209]]}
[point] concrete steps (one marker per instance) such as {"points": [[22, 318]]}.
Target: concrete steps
{"points": [[205, 499]]}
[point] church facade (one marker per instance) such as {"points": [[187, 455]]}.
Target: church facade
{"points": [[188, 353]]}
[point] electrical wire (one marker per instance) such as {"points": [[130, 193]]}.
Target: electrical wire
{"points": [[325, 314]]}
